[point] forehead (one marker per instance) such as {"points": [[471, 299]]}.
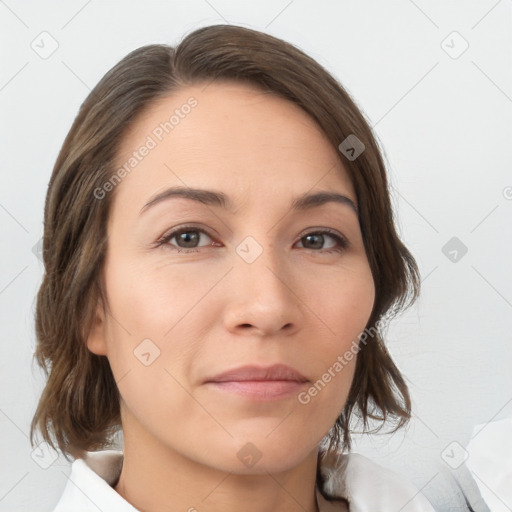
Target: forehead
{"points": [[233, 133]]}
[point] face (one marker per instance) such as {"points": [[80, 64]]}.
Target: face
{"points": [[207, 294]]}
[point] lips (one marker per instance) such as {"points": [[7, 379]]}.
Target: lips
{"points": [[255, 383], [277, 372]]}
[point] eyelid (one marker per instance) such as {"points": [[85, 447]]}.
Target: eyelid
{"points": [[320, 229]]}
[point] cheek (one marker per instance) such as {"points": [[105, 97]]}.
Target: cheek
{"points": [[151, 302], [346, 304], [345, 309], [154, 332], [149, 352]]}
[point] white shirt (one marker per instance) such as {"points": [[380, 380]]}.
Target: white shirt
{"points": [[367, 486]]}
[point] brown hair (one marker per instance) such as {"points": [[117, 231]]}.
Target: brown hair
{"points": [[79, 405]]}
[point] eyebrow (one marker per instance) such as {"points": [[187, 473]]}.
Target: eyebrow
{"points": [[217, 198]]}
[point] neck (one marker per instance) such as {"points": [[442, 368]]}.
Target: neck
{"points": [[157, 478]]}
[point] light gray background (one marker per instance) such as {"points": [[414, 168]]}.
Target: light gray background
{"points": [[444, 120]]}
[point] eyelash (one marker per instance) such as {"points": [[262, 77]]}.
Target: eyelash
{"points": [[342, 242]]}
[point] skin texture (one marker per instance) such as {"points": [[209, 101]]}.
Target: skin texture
{"points": [[207, 310]]}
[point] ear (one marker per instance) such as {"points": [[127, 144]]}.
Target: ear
{"points": [[96, 341]]}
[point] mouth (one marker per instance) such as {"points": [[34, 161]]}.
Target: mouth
{"points": [[259, 383]]}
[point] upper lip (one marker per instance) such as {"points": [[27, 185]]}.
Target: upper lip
{"points": [[250, 372]]}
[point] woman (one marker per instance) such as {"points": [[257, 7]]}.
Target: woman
{"points": [[220, 253]]}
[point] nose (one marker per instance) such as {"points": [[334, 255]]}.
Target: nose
{"points": [[263, 297]]}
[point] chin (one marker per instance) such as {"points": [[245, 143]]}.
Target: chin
{"points": [[258, 454]]}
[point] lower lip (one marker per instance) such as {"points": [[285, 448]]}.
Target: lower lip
{"points": [[260, 389]]}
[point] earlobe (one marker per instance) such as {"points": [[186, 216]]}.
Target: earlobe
{"points": [[96, 339]]}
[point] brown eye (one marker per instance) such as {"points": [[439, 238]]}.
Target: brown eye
{"points": [[185, 238], [316, 241]]}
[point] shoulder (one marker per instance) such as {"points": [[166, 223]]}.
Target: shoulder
{"points": [[367, 486]]}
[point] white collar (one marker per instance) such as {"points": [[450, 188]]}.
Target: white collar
{"points": [[367, 486]]}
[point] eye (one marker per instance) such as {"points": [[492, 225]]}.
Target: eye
{"points": [[187, 238], [316, 239]]}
